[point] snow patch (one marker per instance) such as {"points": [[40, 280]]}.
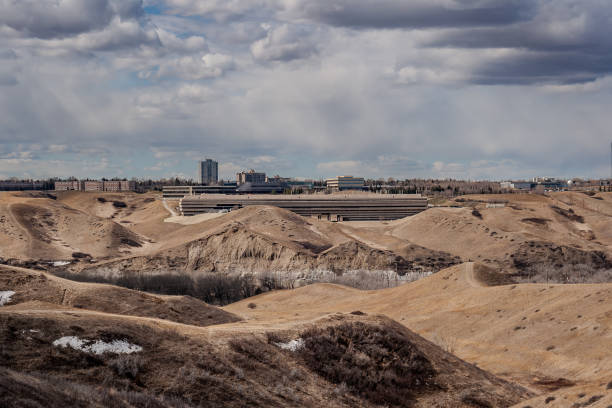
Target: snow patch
{"points": [[60, 263], [5, 296], [98, 346], [293, 345]]}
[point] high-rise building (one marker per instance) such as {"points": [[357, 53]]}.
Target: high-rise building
{"points": [[208, 172]]}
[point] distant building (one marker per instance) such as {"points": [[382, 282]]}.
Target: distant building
{"points": [[250, 176], [260, 188], [19, 185], [545, 184], [71, 185], [208, 172], [119, 185], [95, 185], [342, 183], [182, 191]]}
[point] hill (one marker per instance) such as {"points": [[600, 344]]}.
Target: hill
{"points": [[38, 227], [259, 239], [529, 230], [35, 289], [533, 334], [55, 356]]}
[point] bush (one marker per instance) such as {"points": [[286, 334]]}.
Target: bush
{"points": [[568, 273], [127, 365], [214, 288], [374, 361]]}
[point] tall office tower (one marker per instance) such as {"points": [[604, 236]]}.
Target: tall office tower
{"points": [[208, 172]]}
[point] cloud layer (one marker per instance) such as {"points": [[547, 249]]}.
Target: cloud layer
{"points": [[440, 88]]}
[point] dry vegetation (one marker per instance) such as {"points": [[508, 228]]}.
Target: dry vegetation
{"points": [[313, 343]]}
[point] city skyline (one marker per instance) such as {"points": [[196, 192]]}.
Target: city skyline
{"points": [[441, 88]]}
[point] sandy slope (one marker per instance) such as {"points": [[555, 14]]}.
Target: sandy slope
{"points": [[43, 228], [527, 333], [237, 364], [259, 239], [541, 336], [505, 237], [559, 229], [39, 290]]}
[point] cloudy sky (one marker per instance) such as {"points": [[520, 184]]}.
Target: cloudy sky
{"points": [[480, 89]]}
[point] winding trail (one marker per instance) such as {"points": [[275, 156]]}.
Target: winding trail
{"points": [[170, 210]]}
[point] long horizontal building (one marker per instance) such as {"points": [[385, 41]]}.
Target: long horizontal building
{"points": [[95, 185], [182, 191], [356, 208]]}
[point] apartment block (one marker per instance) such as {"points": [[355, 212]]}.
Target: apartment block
{"points": [[93, 185], [72, 185], [208, 172], [119, 185]]}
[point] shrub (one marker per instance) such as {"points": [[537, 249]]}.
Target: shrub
{"points": [[127, 365], [568, 273], [374, 361]]}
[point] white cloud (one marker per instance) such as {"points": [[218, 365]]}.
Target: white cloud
{"points": [[284, 43], [309, 90]]}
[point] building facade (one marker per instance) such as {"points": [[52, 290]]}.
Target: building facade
{"points": [[208, 172], [342, 183], [95, 185], [250, 176], [72, 185], [124, 185], [18, 185]]}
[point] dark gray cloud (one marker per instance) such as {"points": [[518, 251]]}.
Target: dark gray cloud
{"points": [[544, 68], [412, 14], [7, 79], [8, 54], [306, 88], [62, 18], [564, 42]]}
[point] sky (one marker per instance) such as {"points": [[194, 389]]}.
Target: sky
{"points": [[470, 89]]}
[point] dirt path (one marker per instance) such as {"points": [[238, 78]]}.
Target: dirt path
{"points": [[170, 210], [470, 276]]}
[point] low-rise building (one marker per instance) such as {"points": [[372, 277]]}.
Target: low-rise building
{"points": [[342, 183], [21, 185], [250, 176], [93, 185], [183, 191], [70, 185], [119, 185]]}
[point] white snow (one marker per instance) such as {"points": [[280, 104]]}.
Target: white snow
{"points": [[60, 263], [5, 296], [293, 345], [98, 346]]}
